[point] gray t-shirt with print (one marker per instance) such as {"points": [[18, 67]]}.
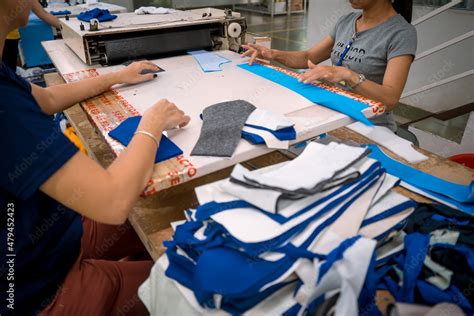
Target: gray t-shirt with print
{"points": [[372, 49]]}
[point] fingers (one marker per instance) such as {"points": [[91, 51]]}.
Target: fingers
{"points": [[247, 53], [253, 58], [255, 46], [311, 65], [185, 121], [310, 76]]}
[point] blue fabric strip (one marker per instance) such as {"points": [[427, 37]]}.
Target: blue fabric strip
{"points": [[424, 181], [288, 133], [313, 93], [390, 212], [64, 12], [124, 134]]}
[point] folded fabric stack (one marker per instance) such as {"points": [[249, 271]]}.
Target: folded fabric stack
{"points": [[265, 127], [286, 238]]}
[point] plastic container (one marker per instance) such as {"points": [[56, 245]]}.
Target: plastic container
{"points": [[464, 159]]}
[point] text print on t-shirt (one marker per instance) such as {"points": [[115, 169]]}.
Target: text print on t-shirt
{"points": [[354, 54]]}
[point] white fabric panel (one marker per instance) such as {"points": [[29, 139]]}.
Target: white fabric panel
{"points": [[385, 137], [269, 119]]}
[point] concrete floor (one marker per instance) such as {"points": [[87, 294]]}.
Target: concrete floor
{"points": [[290, 33]]}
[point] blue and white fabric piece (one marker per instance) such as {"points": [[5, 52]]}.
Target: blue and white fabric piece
{"points": [[266, 127], [457, 196], [235, 256]]}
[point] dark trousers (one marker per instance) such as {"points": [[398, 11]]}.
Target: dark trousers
{"points": [[10, 53]]}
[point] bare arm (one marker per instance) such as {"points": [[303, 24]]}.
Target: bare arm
{"points": [[44, 15], [316, 54], [394, 80], [108, 195], [388, 92], [293, 59], [60, 97]]}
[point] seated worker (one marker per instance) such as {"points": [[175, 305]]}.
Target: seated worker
{"points": [[10, 50], [59, 247], [371, 53]]}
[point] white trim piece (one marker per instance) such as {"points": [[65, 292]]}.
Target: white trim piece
{"points": [[436, 12], [439, 47], [438, 83]]}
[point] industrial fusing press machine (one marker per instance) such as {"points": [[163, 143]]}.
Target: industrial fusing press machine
{"points": [[132, 36]]}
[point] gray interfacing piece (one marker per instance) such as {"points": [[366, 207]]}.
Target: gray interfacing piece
{"points": [[222, 128]]}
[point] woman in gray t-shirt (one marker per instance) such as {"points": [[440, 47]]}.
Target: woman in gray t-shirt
{"points": [[371, 52]]}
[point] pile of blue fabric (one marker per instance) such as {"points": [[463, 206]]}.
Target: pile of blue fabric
{"points": [[431, 261], [103, 15], [286, 238]]}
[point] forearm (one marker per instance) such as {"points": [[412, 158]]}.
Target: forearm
{"points": [[377, 92], [45, 16], [131, 171], [66, 95], [292, 59]]}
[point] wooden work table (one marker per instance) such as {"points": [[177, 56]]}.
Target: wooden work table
{"points": [[151, 216]]}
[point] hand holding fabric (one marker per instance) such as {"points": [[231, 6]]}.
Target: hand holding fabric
{"points": [[163, 116]]}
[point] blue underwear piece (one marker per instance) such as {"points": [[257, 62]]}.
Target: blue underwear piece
{"points": [[102, 15], [331, 100], [448, 191], [209, 61], [64, 12], [124, 134]]}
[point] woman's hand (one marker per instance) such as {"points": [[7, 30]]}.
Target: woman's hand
{"points": [[328, 73], [163, 116], [257, 51], [133, 73]]}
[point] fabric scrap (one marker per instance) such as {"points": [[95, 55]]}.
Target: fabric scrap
{"points": [[209, 61], [222, 127]]}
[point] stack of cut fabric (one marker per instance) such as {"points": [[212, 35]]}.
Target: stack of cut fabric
{"points": [[265, 127], [286, 238]]}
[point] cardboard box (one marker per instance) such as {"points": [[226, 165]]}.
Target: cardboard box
{"points": [[297, 5]]}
